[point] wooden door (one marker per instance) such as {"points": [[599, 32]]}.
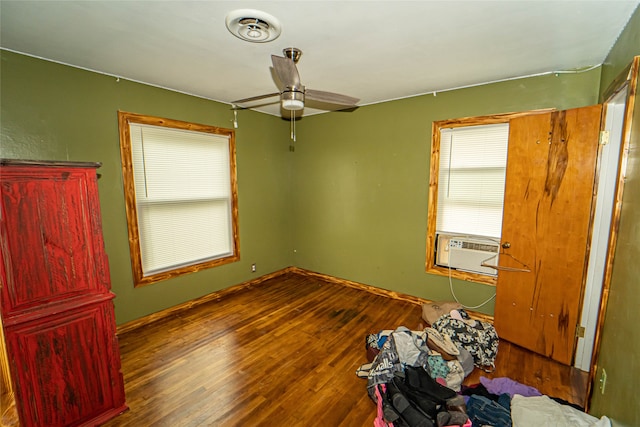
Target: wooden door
{"points": [[546, 226]]}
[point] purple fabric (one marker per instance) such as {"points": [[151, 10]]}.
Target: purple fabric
{"points": [[507, 385]]}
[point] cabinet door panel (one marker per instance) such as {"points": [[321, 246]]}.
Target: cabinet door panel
{"points": [[65, 367], [52, 245]]}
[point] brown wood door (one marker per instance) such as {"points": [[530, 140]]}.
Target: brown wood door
{"points": [[546, 226]]}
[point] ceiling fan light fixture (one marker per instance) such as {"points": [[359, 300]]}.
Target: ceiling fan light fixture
{"points": [[292, 100], [253, 25]]}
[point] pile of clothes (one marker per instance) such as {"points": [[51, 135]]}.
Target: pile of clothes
{"points": [[415, 399], [415, 378], [390, 351]]}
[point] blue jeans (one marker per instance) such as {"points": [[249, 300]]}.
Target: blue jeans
{"points": [[485, 411]]}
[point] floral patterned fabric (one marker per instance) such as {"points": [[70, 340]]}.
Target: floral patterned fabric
{"points": [[477, 337]]}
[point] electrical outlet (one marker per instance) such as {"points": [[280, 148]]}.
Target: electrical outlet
{"points": [[603, 380], [253, 268]]}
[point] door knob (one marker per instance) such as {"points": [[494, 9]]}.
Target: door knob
{"points": [[506, 245]]}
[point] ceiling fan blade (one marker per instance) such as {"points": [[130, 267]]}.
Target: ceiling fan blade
{"points": [[286, 71], [330, 98], [252, 107], [255, 98], [318, 105]]}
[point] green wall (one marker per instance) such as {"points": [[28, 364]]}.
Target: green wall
{"points": [[626, 47], [361, 189], [54, 112], [620, 344], [351, 201]]}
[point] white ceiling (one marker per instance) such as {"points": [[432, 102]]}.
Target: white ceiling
{"points": [[372, 50]]}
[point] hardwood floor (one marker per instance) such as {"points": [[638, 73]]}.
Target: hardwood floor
{"points": [[283, 352]]}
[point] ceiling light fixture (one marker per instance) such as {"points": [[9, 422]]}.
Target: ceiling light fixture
{"points": [[253, 25], [292, 100]]}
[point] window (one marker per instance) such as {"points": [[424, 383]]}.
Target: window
{"points": [[466, 193], [473, 162], [181, 196]]}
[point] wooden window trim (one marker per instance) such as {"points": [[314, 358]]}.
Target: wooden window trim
{"points": [[124, 119], [430, 266]]}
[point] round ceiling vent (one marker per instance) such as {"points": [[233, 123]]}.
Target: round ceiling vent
{"points": [[253, 25]]}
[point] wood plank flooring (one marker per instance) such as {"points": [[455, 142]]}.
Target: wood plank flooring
{"points": [[283, 352]]}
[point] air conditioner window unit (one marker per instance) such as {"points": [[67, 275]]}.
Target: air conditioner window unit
{"points": [[467, 253]]}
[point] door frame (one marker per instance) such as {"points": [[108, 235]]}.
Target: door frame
{"points": [[606, 180], [628, 79]]}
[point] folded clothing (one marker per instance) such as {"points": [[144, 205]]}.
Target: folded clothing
{"points": [[538, 411]]}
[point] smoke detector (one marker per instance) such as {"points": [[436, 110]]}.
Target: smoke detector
{"points": [[253, 25]]}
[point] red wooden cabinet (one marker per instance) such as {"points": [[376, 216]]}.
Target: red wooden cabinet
{"points": [[57, 306]]}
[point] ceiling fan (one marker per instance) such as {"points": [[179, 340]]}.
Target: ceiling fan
{"points": [[294, 95]]}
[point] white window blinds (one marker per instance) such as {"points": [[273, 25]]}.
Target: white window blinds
{"points": [[471, 179], [183, 196]]}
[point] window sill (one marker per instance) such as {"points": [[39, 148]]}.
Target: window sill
{"points": [[157, 277], [462, 275]]}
